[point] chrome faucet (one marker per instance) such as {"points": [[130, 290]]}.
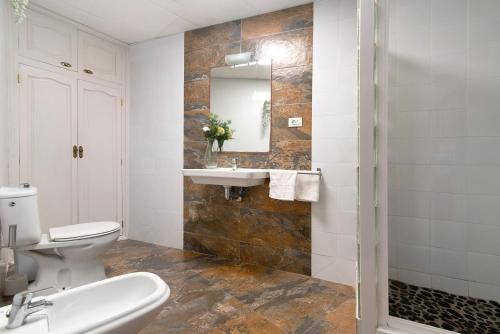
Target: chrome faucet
{"points": [[22, 307], [234, 163]]}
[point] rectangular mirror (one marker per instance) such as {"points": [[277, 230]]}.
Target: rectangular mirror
{"points": [[242, 94]]}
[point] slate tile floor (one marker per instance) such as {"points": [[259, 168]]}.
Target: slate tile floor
{"points": [[460, 314], [210, 295]]}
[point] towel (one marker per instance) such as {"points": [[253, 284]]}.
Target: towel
{"points": [[307, 187], [282, 184]]}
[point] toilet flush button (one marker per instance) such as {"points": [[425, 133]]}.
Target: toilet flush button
{"points": [[11, 204]]}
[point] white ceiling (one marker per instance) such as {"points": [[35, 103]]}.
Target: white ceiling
{"points": [[133, 21]]}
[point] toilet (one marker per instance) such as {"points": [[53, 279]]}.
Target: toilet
{"points": [[67, 256]]}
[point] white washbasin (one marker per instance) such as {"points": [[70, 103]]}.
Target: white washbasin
{"points": [[120, 305], [241, 177]]}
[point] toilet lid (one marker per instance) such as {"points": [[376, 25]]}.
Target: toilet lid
{"points": [[82, 231]]}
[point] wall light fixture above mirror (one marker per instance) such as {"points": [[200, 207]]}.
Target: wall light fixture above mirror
{"points": [[242, 94]]}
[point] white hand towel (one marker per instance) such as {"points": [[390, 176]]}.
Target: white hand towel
{"points": [[282, 184], [307, 187]]}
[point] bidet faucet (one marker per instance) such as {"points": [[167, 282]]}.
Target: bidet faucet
{"points": [[22, 307], [234, 163]]}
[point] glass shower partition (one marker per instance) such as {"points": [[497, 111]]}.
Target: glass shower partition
{"points": [[439, 123]]}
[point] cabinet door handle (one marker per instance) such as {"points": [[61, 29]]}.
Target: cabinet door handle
{"points": [[88, 71], [80, 152], [75, 151], [65, 64]]}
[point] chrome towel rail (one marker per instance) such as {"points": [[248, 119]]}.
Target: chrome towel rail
{"points": [[312, 172]]}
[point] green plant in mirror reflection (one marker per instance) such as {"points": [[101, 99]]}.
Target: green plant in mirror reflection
{"points": [[266, 116]]}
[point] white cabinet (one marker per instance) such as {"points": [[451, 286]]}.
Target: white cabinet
{"points": [[70, 121], [48, 40], [48, 131], [71, 147], [99, 168], [99, 58]]}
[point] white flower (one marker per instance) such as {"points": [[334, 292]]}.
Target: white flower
{"points": [[206, 129]]}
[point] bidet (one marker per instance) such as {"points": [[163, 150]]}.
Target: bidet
{"points": [[120, 305]]}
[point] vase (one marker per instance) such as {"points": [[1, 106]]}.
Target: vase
{"points": [[211, 155], [220, 144]]}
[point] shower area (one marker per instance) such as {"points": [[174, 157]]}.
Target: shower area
{"points": [[442, 124]]}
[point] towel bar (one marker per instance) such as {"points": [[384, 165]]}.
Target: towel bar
{"points": [[316, 172]]}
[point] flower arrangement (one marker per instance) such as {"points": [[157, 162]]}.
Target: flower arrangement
{"points": [[19, 7], [217, 130]]}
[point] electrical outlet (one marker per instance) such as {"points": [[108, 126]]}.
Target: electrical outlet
{"points": [[295, 122]]}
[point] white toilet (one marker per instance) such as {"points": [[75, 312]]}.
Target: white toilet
{"points": [[66, 257]]}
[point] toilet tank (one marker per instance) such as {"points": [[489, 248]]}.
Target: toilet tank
{"points": [[19, 206]]}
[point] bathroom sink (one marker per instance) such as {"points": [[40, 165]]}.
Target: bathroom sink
{"points": [[120, 305], [241, 177]]}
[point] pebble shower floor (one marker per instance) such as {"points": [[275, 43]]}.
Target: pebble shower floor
{"points": [[460, 314]]}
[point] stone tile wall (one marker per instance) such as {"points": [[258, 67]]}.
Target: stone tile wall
{"points": [[258, 229]]}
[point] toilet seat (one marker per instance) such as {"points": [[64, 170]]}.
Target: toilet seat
{"points": [[82, 231], [74, 235]]}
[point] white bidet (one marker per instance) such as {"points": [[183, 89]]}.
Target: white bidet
{"points": [[120, 305]]}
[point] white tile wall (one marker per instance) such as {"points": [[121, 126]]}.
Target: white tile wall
{"points": [[483, 239], [484, 291], [415, 278], [3, 96], [483, 268], [446, 206], [334, 140], [444, 135], [413, 258], [411, 231], [450, 285], [156, 141], [449, 235], [409, 203], [448, 263], [324, 243]]}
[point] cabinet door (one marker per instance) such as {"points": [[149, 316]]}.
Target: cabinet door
{"points": [[48, 121], [48, 40], [99, 58], [99, 167]]}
